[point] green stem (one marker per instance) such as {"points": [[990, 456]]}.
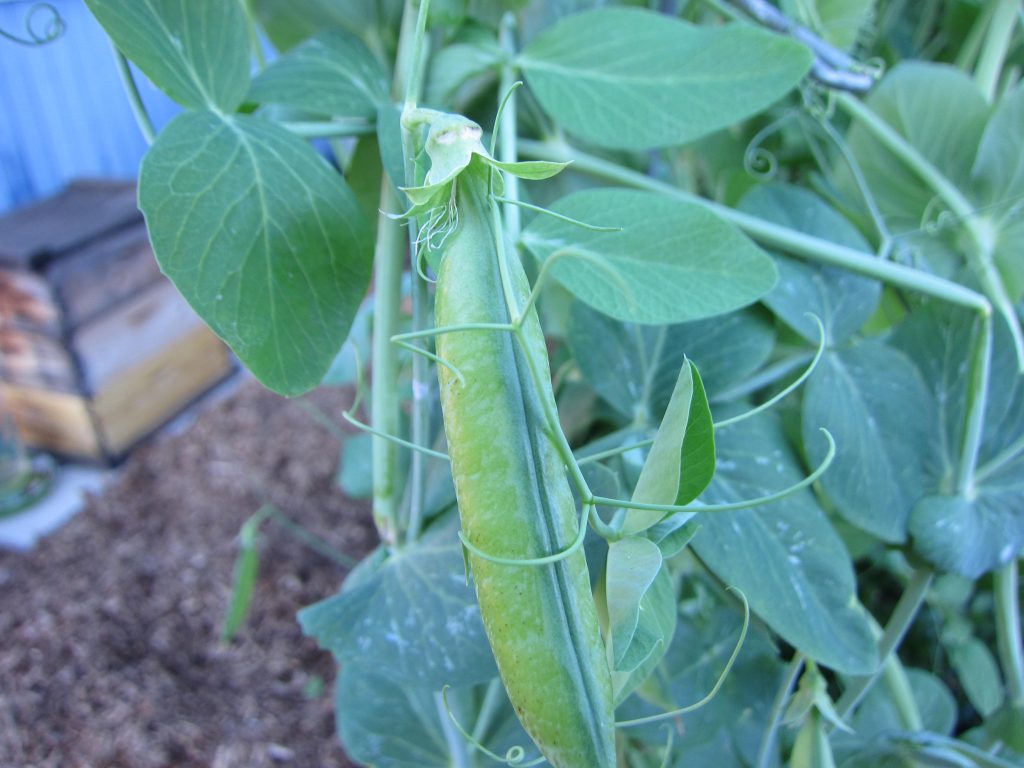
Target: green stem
{"points": [[310, 539], [769, 233], [134, 97], [330, 129], [419, 427], [1008, 631], [389, 264], [389, 261], [766, 755], [968, 53], [979, 231], [997, 45], [902, 617], [896, 680], [507, 129]]}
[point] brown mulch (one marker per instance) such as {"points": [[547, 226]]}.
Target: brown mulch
{"points": [[109, 630]]}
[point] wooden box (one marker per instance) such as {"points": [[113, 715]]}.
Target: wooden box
{"points": [[97, 348]]}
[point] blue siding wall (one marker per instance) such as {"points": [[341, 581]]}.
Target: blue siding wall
{"points": [[63, 111]]}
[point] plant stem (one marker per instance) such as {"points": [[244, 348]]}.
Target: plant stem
{"points": [[898, 683], [766, 751], [389, 263], [902, 617], [982, 239], [997, 45], [769, 233], [1008, 631], [419, 428], [131, 88], [507, 129], [968, 53], [330, 129]]}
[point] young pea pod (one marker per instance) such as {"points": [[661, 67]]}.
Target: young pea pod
{"points": [[514, 497]]}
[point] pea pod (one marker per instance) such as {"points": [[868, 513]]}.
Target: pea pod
{"points": [[514, 497]]}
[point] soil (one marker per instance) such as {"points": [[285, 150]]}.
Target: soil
{"points": [[110, 651]]}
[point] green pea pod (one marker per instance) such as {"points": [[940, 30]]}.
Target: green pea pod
{"points": [[515, 501]]}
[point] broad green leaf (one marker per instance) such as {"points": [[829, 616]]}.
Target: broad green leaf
{"points": [[355, 475], [333, 74], [633, 564], [474, 61], [636, 366], [197, 53], [263, 239], [938, 340], [415, 620], [633, 79], [968, 536], [842, 300], [785, 557], [656, 624], [881, 414], [672, 262], [289, 22], [386, 722], [941, 112], [978, 674], [672, 535], [681, 462], [998, 178], [971, 537]]}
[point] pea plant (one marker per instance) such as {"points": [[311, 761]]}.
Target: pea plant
{"points": [[695, 409]]}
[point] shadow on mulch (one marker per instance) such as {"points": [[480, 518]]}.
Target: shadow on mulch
{"points": [[109, 630]]}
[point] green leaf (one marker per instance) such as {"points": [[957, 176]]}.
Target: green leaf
{"points": [[656, 624], [333, 74], [355, 475], [387, 723], [941, 112], [197, 53], [785, 557], [881, 414], [842, 300], [968, 536], [289, 22], [681, 462], [415, 620], [978, 674], [998, 178], [262, 238], [636, 366], [633, 564], [672, 262], [469, 61], [971, 537], [632, 79]]}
